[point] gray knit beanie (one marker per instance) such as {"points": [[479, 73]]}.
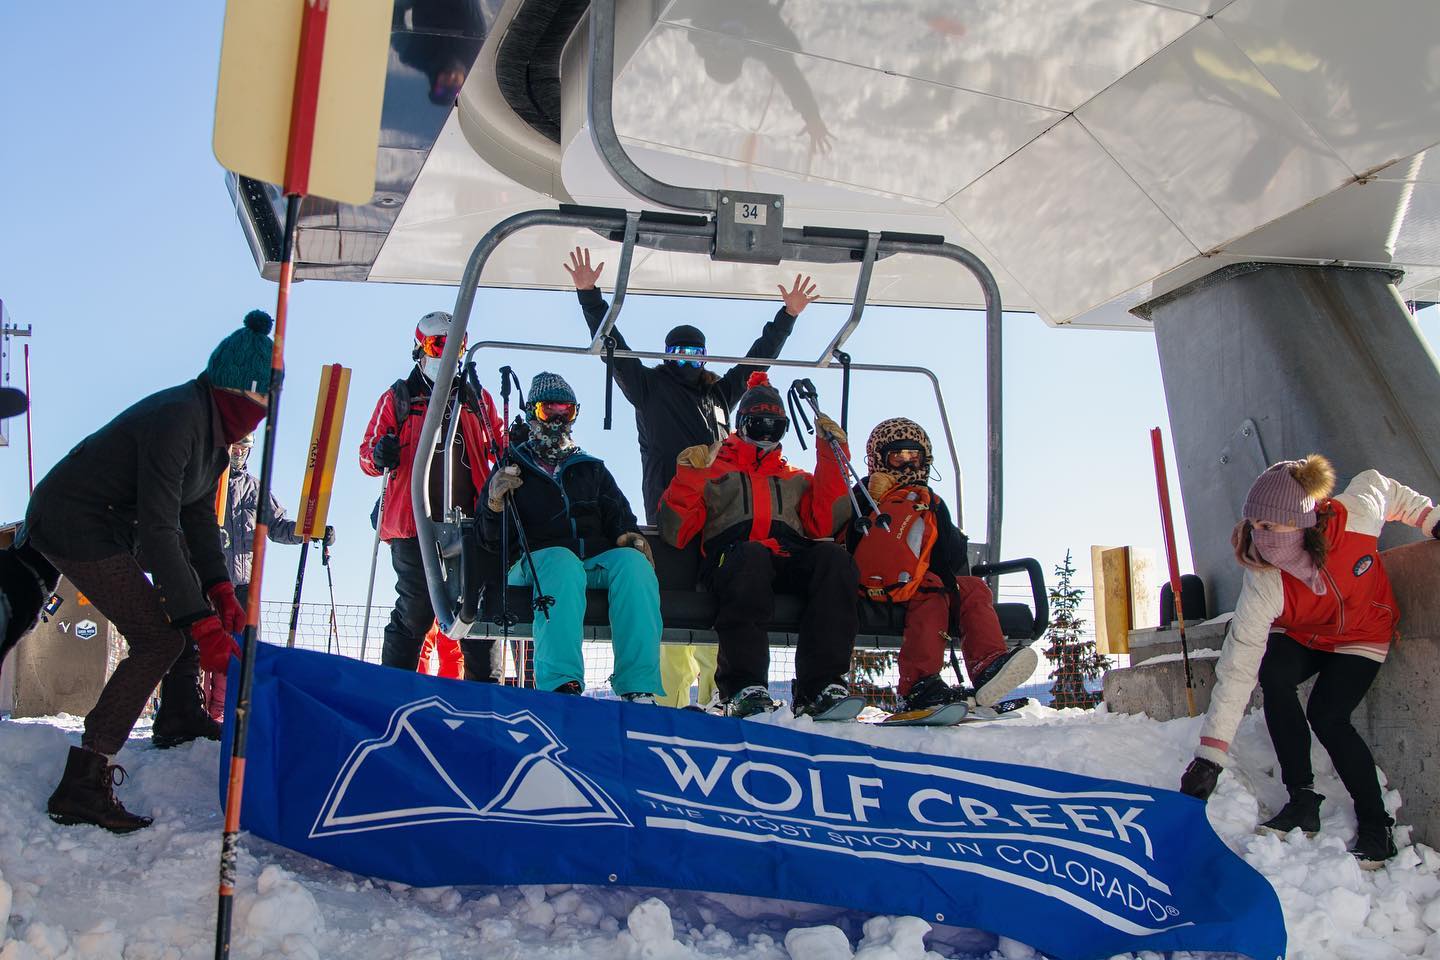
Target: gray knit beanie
{"points": [[549, 387], [1277, 497]]}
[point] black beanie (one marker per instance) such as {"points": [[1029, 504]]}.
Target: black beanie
{"points": [[684, 336], [761, 399]]}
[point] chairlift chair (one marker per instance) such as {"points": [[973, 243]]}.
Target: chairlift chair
{"points": [[725, 225]]}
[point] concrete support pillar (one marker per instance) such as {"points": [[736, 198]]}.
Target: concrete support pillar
{"points": [[1266, 362]]}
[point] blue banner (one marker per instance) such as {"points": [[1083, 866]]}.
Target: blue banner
{"points": [[437, 782]]}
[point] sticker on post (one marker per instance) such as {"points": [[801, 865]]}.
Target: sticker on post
{"points": [[87, 629], [750, 213]]}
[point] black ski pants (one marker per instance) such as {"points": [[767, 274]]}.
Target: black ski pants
{"points": [[1341, 681], [745, 579], [413, 614]]}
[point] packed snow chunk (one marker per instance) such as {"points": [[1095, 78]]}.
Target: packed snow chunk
{"points": [[100, 942], [893, 938], [1015, 950], [650, 924], [818, 943], [5, 899], [282, 908]]}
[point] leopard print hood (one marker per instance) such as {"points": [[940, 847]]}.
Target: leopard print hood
{"points": [[887, 432]]}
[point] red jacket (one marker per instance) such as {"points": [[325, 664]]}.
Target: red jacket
{"points": [[1359, 606], [398, 519], [748, 494]]}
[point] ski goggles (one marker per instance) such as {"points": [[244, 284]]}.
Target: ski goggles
{"points": [[765, 428], [687, 351], [550, 411], [905, 457], [434, 346]]}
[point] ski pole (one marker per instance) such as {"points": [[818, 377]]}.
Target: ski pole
{"points": [[295, 603], [374, 560], [1167, 526], [334, 634], [805, 390]]}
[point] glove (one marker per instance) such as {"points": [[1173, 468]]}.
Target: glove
{"points": [[826, 427], [505, 480], [227, 608], [638, 541], [386, 452], [1199, 778], [329, 536], [880, 484], [216, 646], [699, 456]]}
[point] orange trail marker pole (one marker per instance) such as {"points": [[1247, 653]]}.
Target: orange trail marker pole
{"points": [[297, 175], [1167, 525]]}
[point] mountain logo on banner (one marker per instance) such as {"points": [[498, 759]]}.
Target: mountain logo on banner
{"points": [[437, 764]]}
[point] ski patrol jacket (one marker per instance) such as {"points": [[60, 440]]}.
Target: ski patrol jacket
{"points": [[750, 494], [478, 423], [678, 407], [144, 484], [1356, 614], [237, 529], [580, 508]]}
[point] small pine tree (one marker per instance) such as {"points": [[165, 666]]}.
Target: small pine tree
{"points": [[1073, 655]]}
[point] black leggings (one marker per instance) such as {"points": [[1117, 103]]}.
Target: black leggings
{"points": [[1342, 682]]}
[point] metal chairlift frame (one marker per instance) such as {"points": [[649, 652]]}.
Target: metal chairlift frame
{"points": [[442, 541]]}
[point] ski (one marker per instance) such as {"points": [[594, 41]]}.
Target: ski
{"points": [[843, 710], [945, 715], [1003, 710]]}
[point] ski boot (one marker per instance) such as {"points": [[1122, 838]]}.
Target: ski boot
{"points": [[86, 794], [749, 702], [1003, 674], [1374, 844], [182, 716], [834, 702], [638, 698], [570, 688], [1301, 813], [930, 692]]}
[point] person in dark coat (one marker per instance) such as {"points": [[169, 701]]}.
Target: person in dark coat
{"points": [[678, 403], [581, 533], [142, 490]]}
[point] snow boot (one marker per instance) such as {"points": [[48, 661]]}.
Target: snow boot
{"points": [[1003, 674], [930, 692], [1374, 844], [824, 701], [1301, 813], [86, 794], [749, 702], [182, 716], [638, 698], [570, 688]]}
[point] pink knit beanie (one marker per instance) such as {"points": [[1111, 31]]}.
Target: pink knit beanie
{"points": [[1287, 491]]}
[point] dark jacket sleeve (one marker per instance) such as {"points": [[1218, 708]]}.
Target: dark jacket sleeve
{"points": [[632, 375], [282, 528], [768, 346], [164, 527], [616, 517], [950, 551]]}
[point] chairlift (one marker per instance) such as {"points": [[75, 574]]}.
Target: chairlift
{"points": [[731, 226]]}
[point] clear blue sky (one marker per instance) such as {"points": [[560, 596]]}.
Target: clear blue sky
{"points": [[120, 245]]}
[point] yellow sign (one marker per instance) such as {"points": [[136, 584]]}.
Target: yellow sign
{"points": [[257, 81], [324, 451]]}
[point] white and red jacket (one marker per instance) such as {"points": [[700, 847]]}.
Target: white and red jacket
{"points": [[398, 519], [1356, 614]]}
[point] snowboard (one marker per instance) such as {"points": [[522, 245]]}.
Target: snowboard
{"points": [[847, 709], [945, 715]]}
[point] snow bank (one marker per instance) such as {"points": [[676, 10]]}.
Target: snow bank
{"points": [[78, 893]]}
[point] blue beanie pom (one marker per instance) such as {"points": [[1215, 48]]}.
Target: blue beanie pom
{"points": [[242, 360]]}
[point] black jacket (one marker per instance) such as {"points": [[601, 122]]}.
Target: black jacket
{"points": [[949, 558], [144, 483], [677, 407], [581, 508]]}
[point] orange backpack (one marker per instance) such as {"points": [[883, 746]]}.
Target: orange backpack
{"points": [[893, 562]]}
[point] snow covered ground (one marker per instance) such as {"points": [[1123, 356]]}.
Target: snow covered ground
{"points": [[81, 893]]}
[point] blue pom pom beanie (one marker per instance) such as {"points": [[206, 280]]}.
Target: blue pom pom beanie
{"points": [[242, 361]]}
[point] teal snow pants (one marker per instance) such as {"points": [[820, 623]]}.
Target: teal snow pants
{"points": [[634, 616]]}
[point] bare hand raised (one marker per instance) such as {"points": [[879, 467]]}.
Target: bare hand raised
{"points": [[580, 270], [798, 297]]}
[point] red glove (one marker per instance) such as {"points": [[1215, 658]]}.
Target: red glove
{"points": [[227, 608], [216, 646]]}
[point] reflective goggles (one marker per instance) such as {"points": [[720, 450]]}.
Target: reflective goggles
{"points": [[687, 351], [547, 411], [903, 453], [765, 428], [434, 346]]}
